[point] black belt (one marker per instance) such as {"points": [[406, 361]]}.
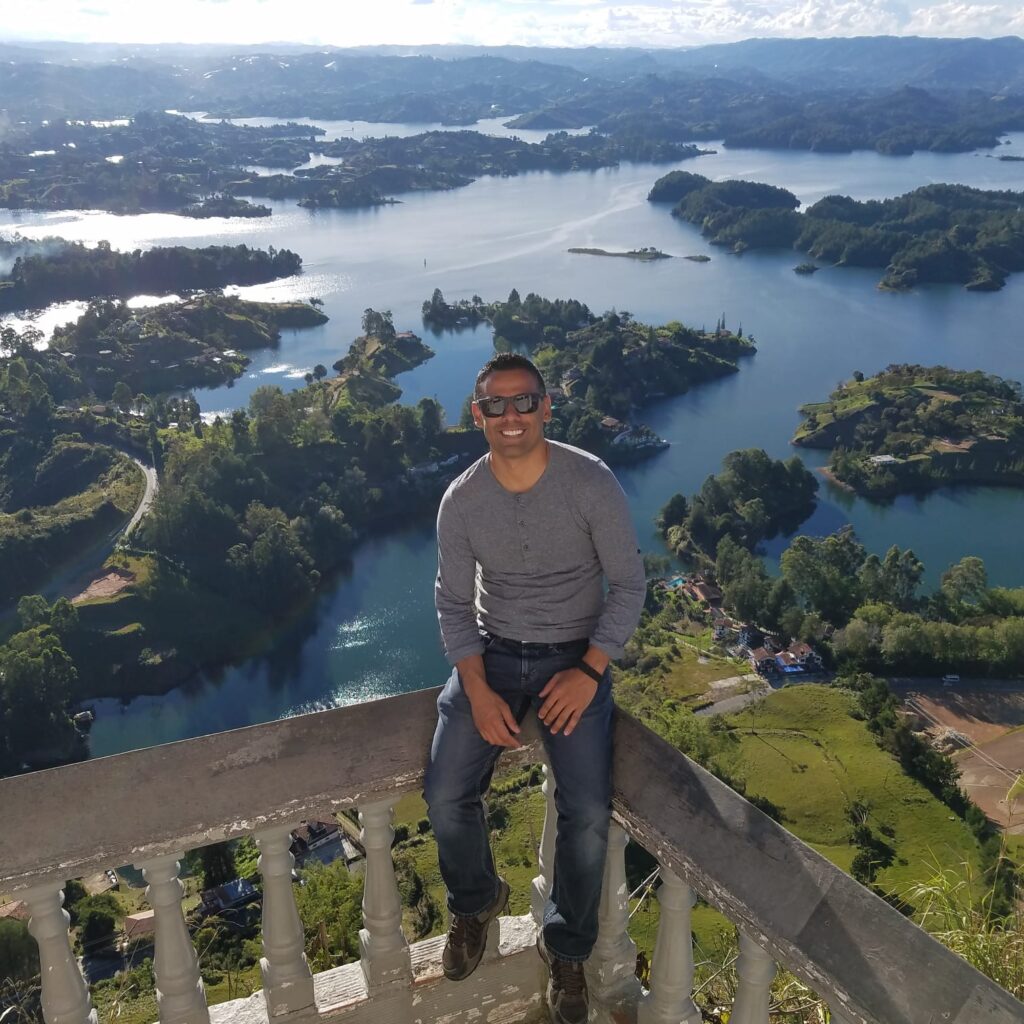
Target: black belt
{"points": [[532, 647]]}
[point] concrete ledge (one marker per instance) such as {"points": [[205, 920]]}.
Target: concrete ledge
{"points": [[850, 946]]}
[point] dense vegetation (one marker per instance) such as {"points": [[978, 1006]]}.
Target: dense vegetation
{"points": [[753, 499], [603, 367], [156, 162], [444, 160], [171, 163], [915, 427], [171, 347], [252, 515], [944, 234], [72, 270]]}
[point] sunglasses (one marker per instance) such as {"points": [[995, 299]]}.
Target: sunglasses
{"points": [[496, 405]]}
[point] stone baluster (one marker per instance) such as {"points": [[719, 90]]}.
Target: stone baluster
{"points": [[540, 888], [670, 1000], [180, 997], [612, 965], [287, 981], [65, 993], [755, 970], [383, 947]]}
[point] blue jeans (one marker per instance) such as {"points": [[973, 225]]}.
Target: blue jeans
{"points": [[461, 764]]}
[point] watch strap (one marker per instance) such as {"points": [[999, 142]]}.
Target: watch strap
{"points": [[589, 670]]}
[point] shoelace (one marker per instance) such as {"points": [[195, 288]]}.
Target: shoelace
{"points": [[568, 978], [465, 931]]}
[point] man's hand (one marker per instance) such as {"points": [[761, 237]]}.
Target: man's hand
{"points": [[568, 694], [493, 718]]}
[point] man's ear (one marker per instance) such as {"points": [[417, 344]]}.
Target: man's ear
{"points": [[547, 409]]}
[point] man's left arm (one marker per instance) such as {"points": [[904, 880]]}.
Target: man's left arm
{"points": [[569, 693]]}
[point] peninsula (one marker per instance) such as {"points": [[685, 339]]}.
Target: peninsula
{"points": [[600, 369], [941, 234]]}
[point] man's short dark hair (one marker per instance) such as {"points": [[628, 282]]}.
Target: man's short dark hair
{"points": [[507, 361]]}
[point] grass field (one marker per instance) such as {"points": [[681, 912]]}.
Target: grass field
{"points": [[801, 749]]}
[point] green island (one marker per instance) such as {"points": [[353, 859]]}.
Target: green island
{"points": [[806, 268], [937, 234], [225, 206], [53, 270], [599, 368], [644, 253], [913, 428], [199, 342]]}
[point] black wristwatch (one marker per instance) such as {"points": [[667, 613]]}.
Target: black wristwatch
{"points": [[589, 670]]}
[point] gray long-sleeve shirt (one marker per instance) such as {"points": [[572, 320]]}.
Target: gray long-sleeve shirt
{"points": [[532, 566]]}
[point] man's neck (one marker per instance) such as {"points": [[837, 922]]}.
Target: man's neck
{"points": [[519, 475]]}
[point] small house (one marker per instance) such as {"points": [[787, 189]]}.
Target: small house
{"points": [[762, 660]]}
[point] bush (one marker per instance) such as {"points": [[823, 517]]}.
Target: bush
{"points": [[19, 955]]}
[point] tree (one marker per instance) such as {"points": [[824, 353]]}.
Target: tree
{"points": [[217, 863], [966, 582], [823, 573], [431, 416], [97, 921], [122, 396], [330, 906], [378, 325], [33, 611], [319, 371], [19, 954], [673, 512]]}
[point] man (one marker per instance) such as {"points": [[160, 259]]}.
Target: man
{"points": [[527, 538]]}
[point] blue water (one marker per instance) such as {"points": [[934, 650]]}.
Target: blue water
{"points": [[374, 632]]}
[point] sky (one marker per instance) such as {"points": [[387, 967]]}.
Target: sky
{"points": [[494, 22]]}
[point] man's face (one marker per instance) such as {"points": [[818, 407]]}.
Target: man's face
{"points": [[512, 434]]}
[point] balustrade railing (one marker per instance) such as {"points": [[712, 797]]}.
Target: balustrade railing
{"points": [[790, 905]]}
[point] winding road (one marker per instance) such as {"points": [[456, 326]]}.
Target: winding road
{"points": [[73, 578]]}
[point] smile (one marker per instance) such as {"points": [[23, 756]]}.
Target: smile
{"points": [[513, 433]]}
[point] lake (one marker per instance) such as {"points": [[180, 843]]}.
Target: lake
{"points": [[374, 632]]}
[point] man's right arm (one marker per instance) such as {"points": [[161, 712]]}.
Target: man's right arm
{"points": [[454, 595]]}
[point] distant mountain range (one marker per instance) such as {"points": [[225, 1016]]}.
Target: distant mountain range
{"points": [[893, 94], [881, 62]]}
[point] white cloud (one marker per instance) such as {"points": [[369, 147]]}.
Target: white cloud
{"points": [[526, 22]]}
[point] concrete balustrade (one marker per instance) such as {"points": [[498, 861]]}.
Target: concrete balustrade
{"points": [[863, 957], [540, 888], [385, 952], [755, 970], [670, 999], [65, 995], [287, 981], [180, 997], [611, 970]]}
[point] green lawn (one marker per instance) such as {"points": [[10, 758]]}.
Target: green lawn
{"points": [[801, 749]]}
